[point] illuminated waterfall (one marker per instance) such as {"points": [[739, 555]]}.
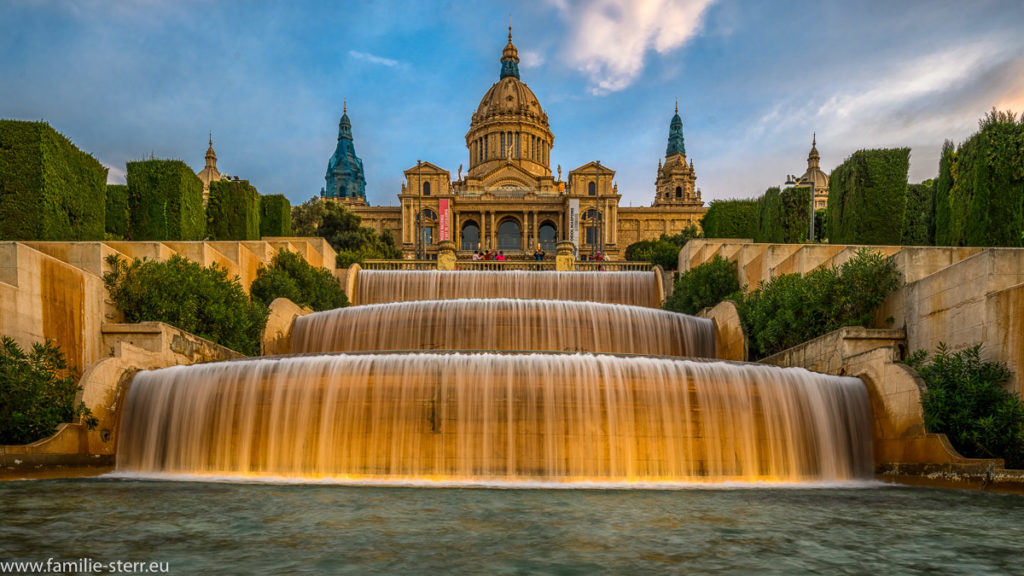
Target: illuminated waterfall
{"points": [[500, 417], [380, 286], [505, 324]]}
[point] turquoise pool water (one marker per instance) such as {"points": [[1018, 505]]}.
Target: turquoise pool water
{"points": [[221, 528]]}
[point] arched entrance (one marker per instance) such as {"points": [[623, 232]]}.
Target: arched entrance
{"points": [[510, 236], [470, 236], [547, 236]]}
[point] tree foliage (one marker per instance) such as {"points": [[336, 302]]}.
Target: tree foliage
{"points": [[203, 301], [730, 219], [165, 201], [233, 211], [791, 309], [343, 229], [37, 393], [867, 197], [980, 192], [290, 276], [49, 189], [703, 286], [967, 401]]}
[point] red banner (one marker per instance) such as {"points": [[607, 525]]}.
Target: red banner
{"points": [[445, 227]]}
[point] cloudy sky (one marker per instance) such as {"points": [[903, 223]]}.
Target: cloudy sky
{"points": [[126, 79]]}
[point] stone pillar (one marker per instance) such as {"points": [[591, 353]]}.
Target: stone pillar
{"points": [[564, 260], [446, 255]]}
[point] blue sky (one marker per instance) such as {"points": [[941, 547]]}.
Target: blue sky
{"points": [[126, 79]]}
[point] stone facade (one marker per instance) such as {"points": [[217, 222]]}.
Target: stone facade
{"points": [[510, 200]]}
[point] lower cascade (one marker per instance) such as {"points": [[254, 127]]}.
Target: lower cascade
{"points": [[496, 417]]}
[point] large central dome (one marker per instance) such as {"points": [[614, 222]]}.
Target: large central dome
{"points": [[509, 126]]}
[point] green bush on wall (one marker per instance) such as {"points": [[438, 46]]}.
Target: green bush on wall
{"points": [[49, 189], [704, 286], [275, 216], [165, 201], [730, 219], [782, 215], [919, 222], [117, 211], [290, 276], [867, 197], [233, 211]]}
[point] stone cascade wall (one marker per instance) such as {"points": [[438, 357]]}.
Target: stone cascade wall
{"points": [[54, 290], [960, 296]]}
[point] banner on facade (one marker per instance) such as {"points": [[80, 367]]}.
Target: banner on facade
{"points": [[445, 224], [574, 225]]}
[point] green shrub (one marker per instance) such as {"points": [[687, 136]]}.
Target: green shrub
{"points": [[867, 197], [703, 286], [290, 276], [919, 221], [233, 211], [203, 301], [664, 251], [791, 309], [275, 216], [37, 393], [730, 219], [165, 201], [967, 401], [306, 217], [49, 189], [979, 197], [117, 211]]}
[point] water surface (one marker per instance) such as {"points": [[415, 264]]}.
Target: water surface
{"points": [[275, 529]]}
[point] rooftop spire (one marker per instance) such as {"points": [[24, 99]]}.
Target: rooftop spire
{"points": [[510, 58], [813, 158], [344, 107], [677, 104], [211, 156], [676, 145]]}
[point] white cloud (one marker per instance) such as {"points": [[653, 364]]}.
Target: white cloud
{"points": [[609, 40], [531, 59], [374, 59]]}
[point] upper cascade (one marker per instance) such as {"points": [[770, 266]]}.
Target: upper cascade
{"points": [[676, 145]]}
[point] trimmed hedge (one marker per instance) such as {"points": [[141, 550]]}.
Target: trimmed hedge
{"points": [[980, 193], [49, 189], [275, 216], [919, 221], [730, 219], [165, 201], [117, 211], [867, 197], [782, 215], [233, 211]]}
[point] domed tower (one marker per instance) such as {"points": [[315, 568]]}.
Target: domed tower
{"points": [[509, 128], [345, 180], [816, 176], [209, 173], [676, 178]]}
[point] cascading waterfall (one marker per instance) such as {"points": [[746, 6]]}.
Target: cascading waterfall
{"points": [[381, 286], [505, 324], [501, 417]]}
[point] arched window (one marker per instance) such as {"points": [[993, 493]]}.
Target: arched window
{"points": [[592, 188], [509, 235], [470, 236], [426, 188], [679, 191], [547, 235]]}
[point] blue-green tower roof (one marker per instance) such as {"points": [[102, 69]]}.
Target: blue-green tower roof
{"points": [[676, 145], [345, 177], [510, 59]]}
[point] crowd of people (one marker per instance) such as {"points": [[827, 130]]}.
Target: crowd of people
{"points": [[499, 256]]}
